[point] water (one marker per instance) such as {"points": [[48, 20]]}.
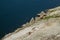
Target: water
{"points": [[14, 13]]}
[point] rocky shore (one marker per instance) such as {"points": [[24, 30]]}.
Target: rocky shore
{"points": [[45, 26]]}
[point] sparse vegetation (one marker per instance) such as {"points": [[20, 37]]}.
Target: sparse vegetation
{"points": [[53, 16]]}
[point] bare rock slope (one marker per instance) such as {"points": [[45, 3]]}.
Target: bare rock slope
{"points": [[46, 26]]}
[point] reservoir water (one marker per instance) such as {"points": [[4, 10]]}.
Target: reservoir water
{"points": [[14, 13]]}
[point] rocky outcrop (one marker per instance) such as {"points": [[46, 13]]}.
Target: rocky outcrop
{"points": [[45, 26]]}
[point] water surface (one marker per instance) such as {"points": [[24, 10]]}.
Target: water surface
{"points": [[14, 13]]}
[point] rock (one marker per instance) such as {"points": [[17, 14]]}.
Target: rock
{"points": [[31, 21]]}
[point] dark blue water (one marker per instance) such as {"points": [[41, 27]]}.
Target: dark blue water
{"points": [[14, 13]]}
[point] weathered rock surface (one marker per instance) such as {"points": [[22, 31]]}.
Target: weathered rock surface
{"points": [[46, 26]]}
